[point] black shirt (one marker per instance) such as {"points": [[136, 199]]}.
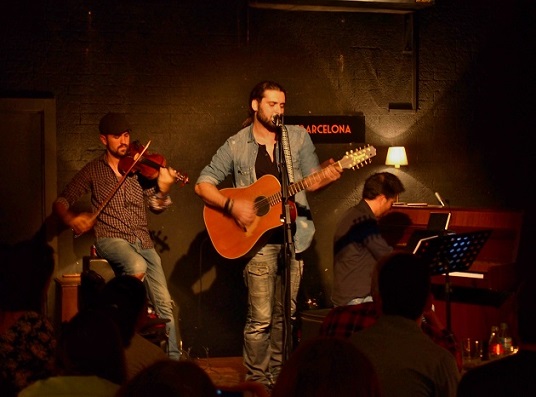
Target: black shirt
{"points": [[265, 166]]}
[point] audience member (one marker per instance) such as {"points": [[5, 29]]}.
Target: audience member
{"points": [[343, 321], [169, 378], [326, 366], [248, 388], [512, 376], [27, 338], [125, 297], [90, 289], [407, 361], [90, 359], [358, 243]]}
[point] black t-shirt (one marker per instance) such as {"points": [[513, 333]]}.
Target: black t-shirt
{"points": [[265, 166]]}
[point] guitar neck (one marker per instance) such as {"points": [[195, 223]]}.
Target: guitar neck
{"points": [[308, 181], [301, 185], [350, 160]]}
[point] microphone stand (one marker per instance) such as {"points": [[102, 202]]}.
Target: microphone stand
{"points": [[288, 242], [448, 289]]}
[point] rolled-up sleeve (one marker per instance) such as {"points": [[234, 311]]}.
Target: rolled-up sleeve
{"points": [[220, 166]]}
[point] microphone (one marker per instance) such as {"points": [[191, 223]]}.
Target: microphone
{"points": [[438, 197], [277, 120]]}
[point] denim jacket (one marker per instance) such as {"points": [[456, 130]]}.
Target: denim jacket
{"points": [[237, 157]]}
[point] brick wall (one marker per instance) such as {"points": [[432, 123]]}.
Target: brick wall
{"points": [[182, 72]]}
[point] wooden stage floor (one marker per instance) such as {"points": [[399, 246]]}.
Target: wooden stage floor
{"points": [[224, 371]]}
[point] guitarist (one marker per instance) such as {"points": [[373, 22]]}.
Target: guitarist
{"points": [[247, 156]]}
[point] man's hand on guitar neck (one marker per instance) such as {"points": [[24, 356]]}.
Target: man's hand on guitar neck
{"points": [[331, 173]]}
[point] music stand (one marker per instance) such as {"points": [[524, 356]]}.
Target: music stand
{"points": [[451, 252]]}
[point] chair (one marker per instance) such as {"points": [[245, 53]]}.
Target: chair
{"points": [[98, 265]]}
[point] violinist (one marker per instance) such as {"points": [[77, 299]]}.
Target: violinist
{"points": [[121, 230]]}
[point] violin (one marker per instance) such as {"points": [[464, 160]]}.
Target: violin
{"points": [[147, 164]]}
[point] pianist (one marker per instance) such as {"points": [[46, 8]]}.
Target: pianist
{"points": [[358, 244]]}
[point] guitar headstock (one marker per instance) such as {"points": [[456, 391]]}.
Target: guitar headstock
{"points": [[357, 158]]}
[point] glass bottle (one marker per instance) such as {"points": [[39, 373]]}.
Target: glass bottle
{"points": [[495, 347], [505, 338]]}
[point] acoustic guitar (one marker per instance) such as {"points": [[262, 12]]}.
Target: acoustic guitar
{"points": [[231, 240]]}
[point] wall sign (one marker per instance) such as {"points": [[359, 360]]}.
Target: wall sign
{"points": [[331, 129]]}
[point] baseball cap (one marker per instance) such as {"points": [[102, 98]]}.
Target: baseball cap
{"points": [[114, 124]]}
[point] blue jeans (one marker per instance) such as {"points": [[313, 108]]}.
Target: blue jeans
{"points": [[264, 329], [127, 258]]}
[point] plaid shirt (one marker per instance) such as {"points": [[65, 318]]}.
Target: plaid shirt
{"points": [[342, 321], [125, 215]]}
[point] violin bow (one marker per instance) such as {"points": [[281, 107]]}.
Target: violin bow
{"points": [[116, 188]]}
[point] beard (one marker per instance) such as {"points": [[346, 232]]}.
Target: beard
{"points": [[119, 152], [266, 121]]}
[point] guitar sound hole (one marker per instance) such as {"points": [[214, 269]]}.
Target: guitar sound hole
{"points": [[262, 205]]}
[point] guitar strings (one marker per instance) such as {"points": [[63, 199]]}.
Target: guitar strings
{"points": [[298, 186], [293, 189]]}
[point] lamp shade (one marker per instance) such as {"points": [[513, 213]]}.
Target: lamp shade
{"points": [[396, 155]]}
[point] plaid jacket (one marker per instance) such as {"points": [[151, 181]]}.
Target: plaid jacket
{"points": [[342, 321]]}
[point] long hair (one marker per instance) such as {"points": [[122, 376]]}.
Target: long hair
{"points": [[258, 93]]}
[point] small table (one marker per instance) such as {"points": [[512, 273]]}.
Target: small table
{"points": [[66, 296]]}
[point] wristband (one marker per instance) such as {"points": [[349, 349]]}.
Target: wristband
{"points": [[228, 206]]}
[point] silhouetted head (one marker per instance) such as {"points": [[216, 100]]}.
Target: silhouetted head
{"points": [[170, 378], [327, 366], [526, 311], [401, 285], [26, 269], [90, 344], [125, 298]]}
